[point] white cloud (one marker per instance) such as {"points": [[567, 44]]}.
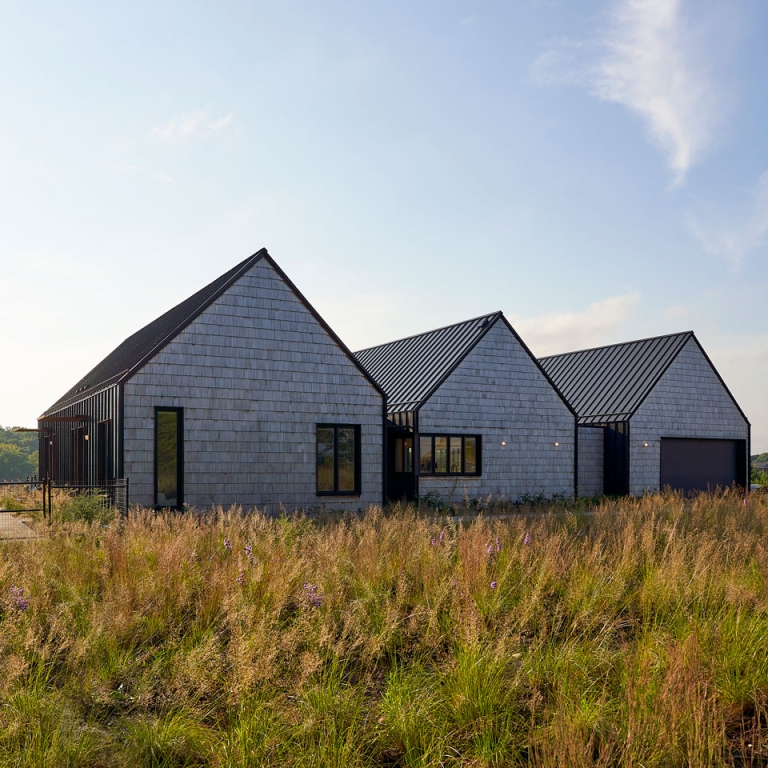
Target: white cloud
{"points": [[188, 125], [467, 21], [733, 242], [651, 61], [600, 323]]}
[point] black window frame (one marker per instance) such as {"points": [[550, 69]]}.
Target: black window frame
{"points": [[336, 491], [430, 436], [179, 458]]}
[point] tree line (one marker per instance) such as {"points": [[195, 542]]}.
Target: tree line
{"points": [[18, 454]]}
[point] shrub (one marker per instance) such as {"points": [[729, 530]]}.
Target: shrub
{"points": [[89, 507]]}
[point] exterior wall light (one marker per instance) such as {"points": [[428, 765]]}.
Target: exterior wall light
{"points": [[645, 445], [86, 437], [503, 443], [557, 445]]}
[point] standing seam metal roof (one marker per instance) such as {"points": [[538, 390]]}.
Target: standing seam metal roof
{"points": [[408, 370], [608, 384], [143, 345]]}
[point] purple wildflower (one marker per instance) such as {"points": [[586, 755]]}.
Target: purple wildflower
{"points": [[241, 579], [527, 539], [745, 502], [493, 585], [433, 543], [442, 537], [490, 549], [249, 553], [314, 598], [228, 545], [498, 544], [18, 601]]}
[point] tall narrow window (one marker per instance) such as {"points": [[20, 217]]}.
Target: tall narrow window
{"points": [[404, 455], [104, 460], [169, 457], [79, 456], [338, 459], [425, 455], [441, 455]]}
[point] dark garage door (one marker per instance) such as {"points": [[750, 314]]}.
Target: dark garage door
{"points": [[701, 465]]}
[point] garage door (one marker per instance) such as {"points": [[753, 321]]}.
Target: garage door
{"points": [[701, 465]]}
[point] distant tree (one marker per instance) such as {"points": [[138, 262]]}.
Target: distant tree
{"points": [[16, 464]]}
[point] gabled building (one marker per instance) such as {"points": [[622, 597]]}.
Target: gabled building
{"points": [[472, 414], [241, 394], [652, 413]]}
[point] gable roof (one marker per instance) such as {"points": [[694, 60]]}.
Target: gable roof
{"points": [[142, 346], [409, 370], [608, 384]]}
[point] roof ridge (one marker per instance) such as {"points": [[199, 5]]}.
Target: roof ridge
{"points": [[617, 344], [135, 351], [433, 330]]}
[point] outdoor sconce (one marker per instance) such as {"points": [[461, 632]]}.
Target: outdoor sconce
{"points": [[645, 445], [557, 445], [85, 437], [503, 443]]}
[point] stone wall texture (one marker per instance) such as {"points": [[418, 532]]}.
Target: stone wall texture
{"points": [[591, 461], [498, 392], [688, 401], [255, 373]]}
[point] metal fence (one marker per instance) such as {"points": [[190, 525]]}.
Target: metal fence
{"points": [[33, 495], [16, 498], [113, 494]]}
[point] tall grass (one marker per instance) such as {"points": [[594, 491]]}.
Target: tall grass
{"points": [[630, 632]]}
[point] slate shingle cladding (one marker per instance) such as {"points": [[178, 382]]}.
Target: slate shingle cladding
{"points": [[478, 378]]}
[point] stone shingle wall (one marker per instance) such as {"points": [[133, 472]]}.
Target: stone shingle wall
{"points": [[591, 461], [500, 393], [689, 401], [255, 373]]}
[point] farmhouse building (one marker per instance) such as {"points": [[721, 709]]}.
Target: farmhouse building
{"points": [[652, 413], [471, 413], [240, 394]]}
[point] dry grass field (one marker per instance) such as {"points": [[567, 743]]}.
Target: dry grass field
{"points": [[623, 633]]}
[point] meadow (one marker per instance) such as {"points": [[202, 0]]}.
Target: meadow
{"points": [[614, 633]]}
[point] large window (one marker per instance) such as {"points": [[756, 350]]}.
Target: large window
{"points": [[338, 459], [169, 457], [449, 454]]}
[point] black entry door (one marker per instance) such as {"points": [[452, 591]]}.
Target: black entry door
{"points": [[401, 480], [616, 459], [702, 465]]}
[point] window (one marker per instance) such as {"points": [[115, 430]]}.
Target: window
{"points": [[169, 457], [449, 454], [403, 455], [104, 453], [338, 459]]}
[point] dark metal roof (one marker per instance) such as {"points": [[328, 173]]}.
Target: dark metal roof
{"points": [[409, 370], [608, 384], [138, 349]]}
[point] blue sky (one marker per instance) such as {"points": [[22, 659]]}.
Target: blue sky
{"points": [[596, 170]]}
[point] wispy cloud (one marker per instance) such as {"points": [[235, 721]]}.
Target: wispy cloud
{"points": [[651, 61], [189, 125], [467, 21], [599, 323], [734, 241]]}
